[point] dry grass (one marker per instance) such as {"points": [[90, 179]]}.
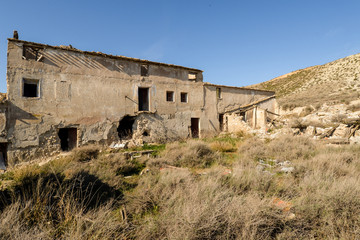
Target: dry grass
{"points": [[61, 200], [193, 153], [85, 153], [51, 207], [222, 146], [353, 107]]}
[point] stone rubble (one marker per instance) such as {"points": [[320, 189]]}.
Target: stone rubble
{"points": [[273, 166], [336, 124]]}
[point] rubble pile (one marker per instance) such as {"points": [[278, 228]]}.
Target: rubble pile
{"points": [[273, 166], [336, 124]]}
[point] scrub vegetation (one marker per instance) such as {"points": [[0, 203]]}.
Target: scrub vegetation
{"points": [[332, 83], [196, 189]]}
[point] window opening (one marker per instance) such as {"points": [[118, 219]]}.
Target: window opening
{"points": [[184, 97], [68, 138], [144, 70], [30, 88], [218, 93], [195, 127], [125, 129], [143, 94], [169, 96], [192, 76], [243, 116]]}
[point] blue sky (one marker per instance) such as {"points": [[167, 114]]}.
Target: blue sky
{"points": [[235, 42]]}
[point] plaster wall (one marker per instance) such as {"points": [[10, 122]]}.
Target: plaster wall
{"points": [[92, 93]]}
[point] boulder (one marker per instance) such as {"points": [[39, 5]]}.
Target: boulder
{"points": [[341, 131], [310, 130], [287, 169]]}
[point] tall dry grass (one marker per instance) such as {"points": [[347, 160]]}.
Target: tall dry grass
{"points": [[193, 154], [107, 198], [53, 208]]}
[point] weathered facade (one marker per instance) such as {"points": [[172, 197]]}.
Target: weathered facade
{"points": [[60, 97]]}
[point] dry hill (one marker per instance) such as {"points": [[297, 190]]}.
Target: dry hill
{"points": [[334, 82]]}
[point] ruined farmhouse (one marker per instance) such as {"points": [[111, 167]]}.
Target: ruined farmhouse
{"points": [[59, 97]]}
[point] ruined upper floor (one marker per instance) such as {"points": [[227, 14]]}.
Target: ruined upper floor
{"points": [[60, 58]]}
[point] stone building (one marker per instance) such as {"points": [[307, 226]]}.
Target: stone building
{"points": [[59, 97]]}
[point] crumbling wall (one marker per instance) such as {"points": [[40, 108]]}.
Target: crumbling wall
{"points": [[254, 118], [92, 93], [65, 88], [162, 128], [232, 98], [236, 123], [261, 116]]}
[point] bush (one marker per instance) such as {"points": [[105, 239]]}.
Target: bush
{"points": [[50, 207], [85, 153], [181, 206], [192, 154], [222, 146]]}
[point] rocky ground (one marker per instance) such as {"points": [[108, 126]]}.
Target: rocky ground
{"points": [[335, 124]]}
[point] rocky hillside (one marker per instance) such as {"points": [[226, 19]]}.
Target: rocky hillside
{"points": [[331, 83]]}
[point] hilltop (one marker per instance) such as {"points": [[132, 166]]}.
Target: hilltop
{"points": [[332, 83]]}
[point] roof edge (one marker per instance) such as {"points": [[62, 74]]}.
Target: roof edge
{"points": [[243, 88], [69, 48], [247, 106]]}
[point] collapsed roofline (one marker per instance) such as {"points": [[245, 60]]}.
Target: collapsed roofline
{"points": [[70, 48]]}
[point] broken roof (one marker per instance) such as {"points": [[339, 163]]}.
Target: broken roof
{"points": [[70, 48], [252, 104]]}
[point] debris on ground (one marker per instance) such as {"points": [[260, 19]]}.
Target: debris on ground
{"points": [[285, 206], [274, 165]]}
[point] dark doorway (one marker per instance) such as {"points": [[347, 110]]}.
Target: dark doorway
{"points": [[221, 122], [195, 127], [125, 130], [3, 155], [68, 138], [143, 99], [243, 115]]}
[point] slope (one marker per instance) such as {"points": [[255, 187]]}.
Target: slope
{"points": [[331, 83]]}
